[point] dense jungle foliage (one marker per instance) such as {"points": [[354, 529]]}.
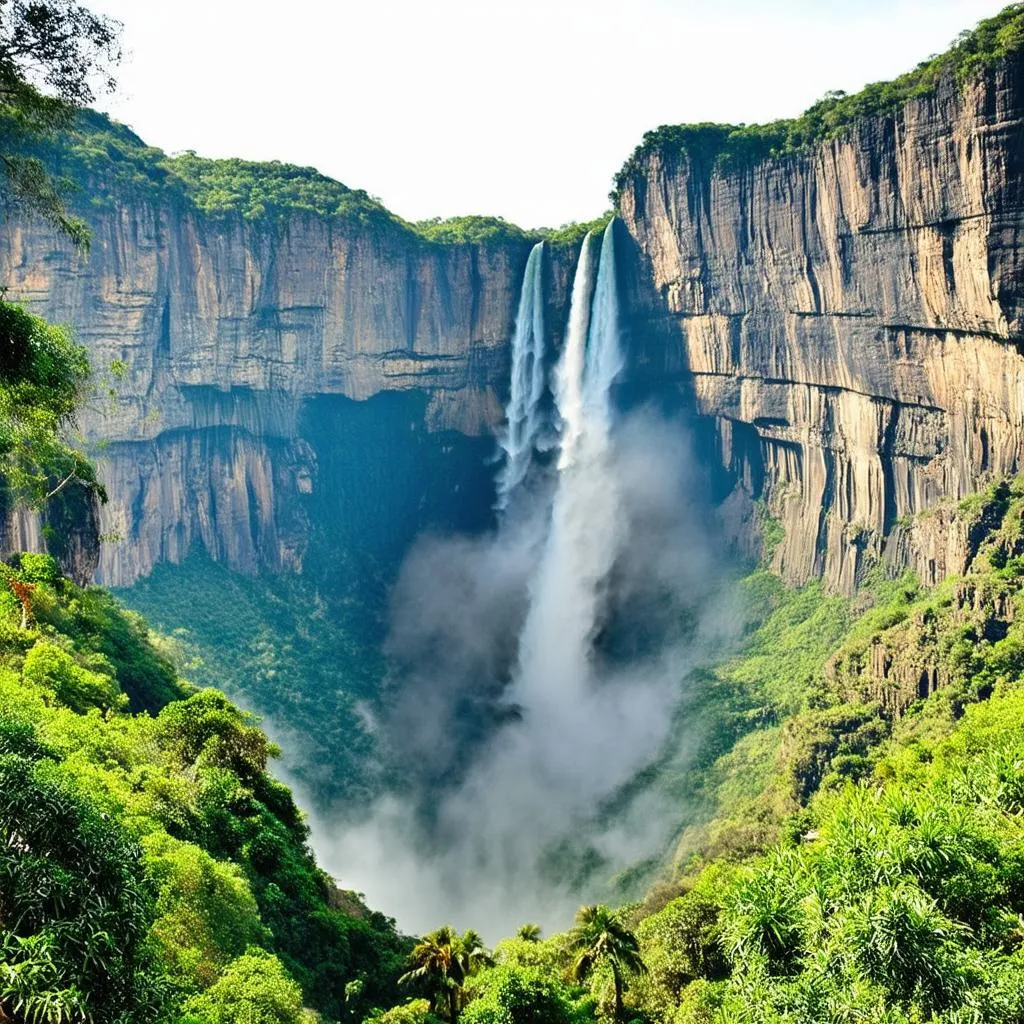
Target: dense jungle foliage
{"points": [[728, 146], [151, 868], [101, 162], [310, 657]]}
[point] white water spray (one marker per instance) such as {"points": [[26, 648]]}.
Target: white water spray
{"points": [[586, 517], [527, 383], [525, 620]]}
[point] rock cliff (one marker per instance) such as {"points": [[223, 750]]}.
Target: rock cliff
{"points": [[846, 322], [851, 317], [224, 330], [67, 528]]}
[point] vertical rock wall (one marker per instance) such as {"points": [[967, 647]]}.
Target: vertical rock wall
{"points": [[851, 318]]}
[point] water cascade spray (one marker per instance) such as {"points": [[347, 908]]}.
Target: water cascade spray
{"points": [[586, 517], [527, 383], [534, 610], [569, 372]]}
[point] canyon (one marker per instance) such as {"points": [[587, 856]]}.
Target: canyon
{"points": [[843, 324]]}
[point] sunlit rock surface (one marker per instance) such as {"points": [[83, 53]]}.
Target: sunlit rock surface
{"points": [[227, 330], [851, 318]]}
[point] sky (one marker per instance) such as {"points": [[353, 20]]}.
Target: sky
{"points": [[524, 110]]}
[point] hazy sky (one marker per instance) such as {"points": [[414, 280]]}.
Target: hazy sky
{"points": [[526, 110]]}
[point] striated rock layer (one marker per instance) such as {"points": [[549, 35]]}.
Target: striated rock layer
{"points": [[851, 319], [845, 322], [223, 331]]}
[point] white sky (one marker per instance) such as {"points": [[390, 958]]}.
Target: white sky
{"points": [[443, 107]]}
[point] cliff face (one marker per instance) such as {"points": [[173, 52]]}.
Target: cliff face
{"points": [[68, 528], [846, 322], [227, 330], [852, 320]]}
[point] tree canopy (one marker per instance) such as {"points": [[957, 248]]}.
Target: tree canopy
{"points": [[43, 380], [55, 55]]}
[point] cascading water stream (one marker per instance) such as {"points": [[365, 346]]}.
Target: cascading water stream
{"points": [[565, 609], [604, 356], [603, 536], [569, 371], [527, 380]]}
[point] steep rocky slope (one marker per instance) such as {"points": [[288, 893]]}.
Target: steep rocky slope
{"points": [[844, 320], [851, 318], [226, 329]]}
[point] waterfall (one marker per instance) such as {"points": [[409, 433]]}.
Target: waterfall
{"points": [[527, 384], [533, 623], [604, 356], [586, 525], [569, 372]]}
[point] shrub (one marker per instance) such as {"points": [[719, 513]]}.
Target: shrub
{"points": [[254, 989], [51, 668]]}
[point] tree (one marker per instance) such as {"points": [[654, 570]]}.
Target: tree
{"points": [[254, 989], [416, 1011], [43, 381], [442, 961], [765, 913], [74, 906], [53, 670], [679, 944], [54, 55], [600, 937], [529, 932], [511, 994], [473, 954]]}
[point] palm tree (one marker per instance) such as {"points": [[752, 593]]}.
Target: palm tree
{"points": [[443, 960], [473, 954], [599, 936], [529, 932]]}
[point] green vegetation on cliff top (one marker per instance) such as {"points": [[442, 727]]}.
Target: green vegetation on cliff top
{"points": [[729, 146], [109, 161]]}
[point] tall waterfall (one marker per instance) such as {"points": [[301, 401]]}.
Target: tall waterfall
{"points": [[586, 517], [532, 626], [569, 372], [527, 384]]}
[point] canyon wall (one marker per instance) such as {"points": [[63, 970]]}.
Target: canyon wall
{"points": [[845, 323], [851, 318], [222, 331]]}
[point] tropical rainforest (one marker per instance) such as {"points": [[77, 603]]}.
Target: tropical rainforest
{"points": [[845, 846]]}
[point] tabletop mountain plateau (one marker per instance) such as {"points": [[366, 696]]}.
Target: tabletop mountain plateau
{"points": [[843, 317]]}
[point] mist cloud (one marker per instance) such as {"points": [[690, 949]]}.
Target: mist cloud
{"points": [[535, 671]]}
